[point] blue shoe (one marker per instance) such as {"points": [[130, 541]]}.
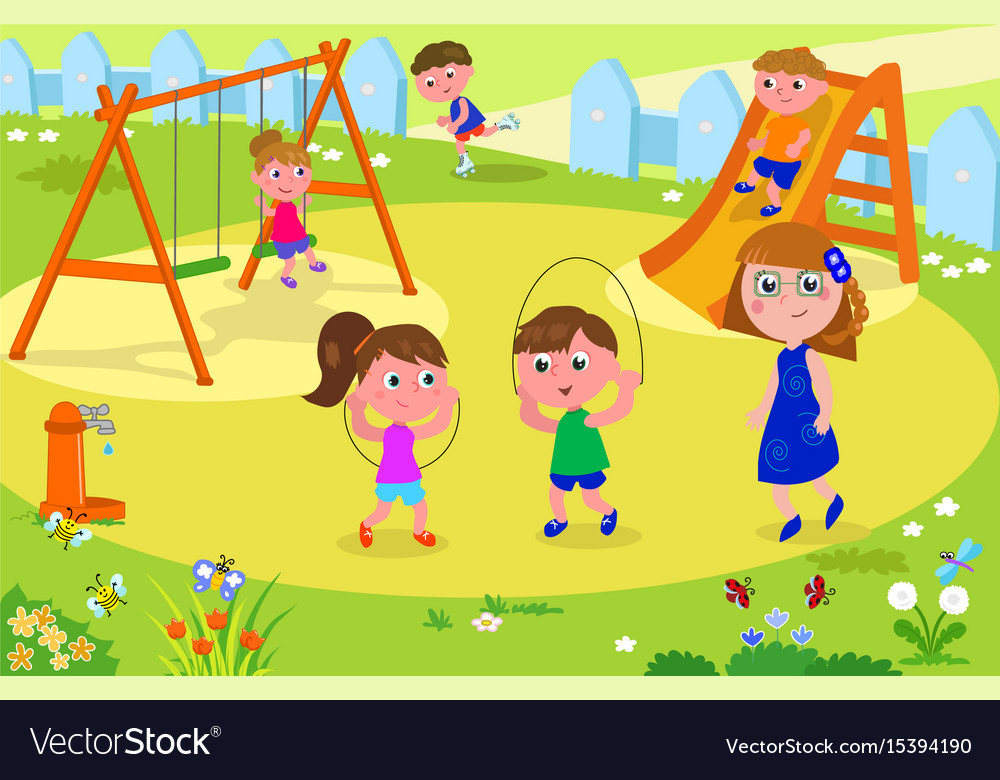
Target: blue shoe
{"points": [[791, 528], [554, 528], [608, 523], [833, 511], [743, 187], [769, 211]]}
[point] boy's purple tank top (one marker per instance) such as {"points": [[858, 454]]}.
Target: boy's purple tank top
{"points": [[287, 228], [398, 464]]}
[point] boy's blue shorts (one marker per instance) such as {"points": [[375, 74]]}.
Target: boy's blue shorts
{"points": [[410, 492], [289, 250], [587, 481], [782, 173]]}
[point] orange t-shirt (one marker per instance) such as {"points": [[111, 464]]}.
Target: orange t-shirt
{"points": [[781, 131]]}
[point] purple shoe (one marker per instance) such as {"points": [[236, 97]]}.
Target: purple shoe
{"points": [[320, 266], [289, 282]]}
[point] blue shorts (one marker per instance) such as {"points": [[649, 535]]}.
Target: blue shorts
{"points": [[410, 492], [782, 173], [288, 251], [587, 481]]}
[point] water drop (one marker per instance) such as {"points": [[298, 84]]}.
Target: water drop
{"points": [[108, 449]]}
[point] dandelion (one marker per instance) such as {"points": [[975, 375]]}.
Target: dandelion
{"points": [[487, 622], [625, 644], [313, 148], [60, 661], [44, 616], [673, 196], [332, 154], [902, 596], [946, 507], [913, 528], [52, 637], [23, 622], [49, 136], [954, 600], [380, 160], [21, 658], [978, 266], [932, 258], [17, 134], [951, 272], [81, 649]]}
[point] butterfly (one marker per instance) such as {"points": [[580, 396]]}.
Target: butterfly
{"points": [[946, 573], [218, 577], [739, 594], [817, 592]]}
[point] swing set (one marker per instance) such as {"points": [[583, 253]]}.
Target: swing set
{"points": [[165, 272]]}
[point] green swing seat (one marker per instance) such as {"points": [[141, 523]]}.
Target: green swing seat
{"points": [[268, 250]]}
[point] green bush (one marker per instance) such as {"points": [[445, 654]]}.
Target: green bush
{"points": [[771, 660], [850, 665], [676, 665]]}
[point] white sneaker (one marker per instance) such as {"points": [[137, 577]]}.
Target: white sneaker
{"points": [[509, 122]]}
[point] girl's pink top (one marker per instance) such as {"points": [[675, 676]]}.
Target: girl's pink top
{"points": [[287, 228], [398, 464]]}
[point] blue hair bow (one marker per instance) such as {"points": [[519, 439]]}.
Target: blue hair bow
{"points": [[837, 264]]}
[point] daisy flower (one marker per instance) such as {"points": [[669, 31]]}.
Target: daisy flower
{"points": [[932, 258], [912, 529], [313, 148], [978, 266], [625, 643], [673, 196], [951, 272], [332, 154], [17, 134], [486, 622], [946, 507], [380, 160], [49, 136]]}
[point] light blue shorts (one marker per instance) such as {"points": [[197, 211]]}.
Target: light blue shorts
{"points": [[410, 492]]}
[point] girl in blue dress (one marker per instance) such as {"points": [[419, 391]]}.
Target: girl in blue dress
{"points": [[795, 287]]}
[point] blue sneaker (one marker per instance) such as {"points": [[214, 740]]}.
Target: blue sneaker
{"points": [[554, 528], [769, 211], [791, 528], [608, 523], [833, 511], [743, 187]]}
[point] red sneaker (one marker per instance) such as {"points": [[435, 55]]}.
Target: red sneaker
{"points": [[366, 535], [427, 539]]}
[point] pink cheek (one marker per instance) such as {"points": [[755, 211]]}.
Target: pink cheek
{"points": [[757, 307], [437, 391], [825, 295], [380, 394]]}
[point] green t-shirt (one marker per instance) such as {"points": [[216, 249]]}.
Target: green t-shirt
{"points": [[578, 449]]}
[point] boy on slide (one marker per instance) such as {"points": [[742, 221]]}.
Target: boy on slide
{"points": [[787, 82], [443, 71]]}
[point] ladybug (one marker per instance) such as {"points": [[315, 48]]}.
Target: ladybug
{"points": [[817, 592], [739, 594]]}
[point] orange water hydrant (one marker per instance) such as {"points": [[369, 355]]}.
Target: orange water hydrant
{"points": [[66, 488]]}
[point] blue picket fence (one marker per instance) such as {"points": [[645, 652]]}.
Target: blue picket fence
{"points": [[374, 78], [957, 176]]}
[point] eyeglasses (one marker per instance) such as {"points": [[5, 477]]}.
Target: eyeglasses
{"points": [[767, 284]]}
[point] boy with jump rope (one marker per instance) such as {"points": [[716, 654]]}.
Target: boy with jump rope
{"points": [[443, 71]]}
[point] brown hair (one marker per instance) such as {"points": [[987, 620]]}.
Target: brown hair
{"points": [[268, 146], [794, 245], [553, 331], [437, 55], [349, 344], [794, 62]]}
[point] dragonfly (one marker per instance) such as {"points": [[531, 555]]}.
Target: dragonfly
{"points": [[952, 562]]}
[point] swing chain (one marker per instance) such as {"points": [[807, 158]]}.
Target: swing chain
{"points": [[176, 97]]}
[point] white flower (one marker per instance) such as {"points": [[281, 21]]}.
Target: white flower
{"points": [[672, 197], [625, 644], [946, 507], [48, 135], [379, 160], [954, 600], [951, 272], [128, 133], [932, 258], [978, 266], [313, 148], [234, 579], [204, 570], [332, 154], [17, 134], [486, 622], [912, 529], [902, 596]]}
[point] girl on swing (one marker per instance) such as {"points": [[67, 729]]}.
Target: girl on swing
{"points": [[401, 374], [283, 172], [794, 286]]}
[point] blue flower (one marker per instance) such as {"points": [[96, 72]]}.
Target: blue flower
{"points": [[776, 619], [801, 636], [752, 638]]}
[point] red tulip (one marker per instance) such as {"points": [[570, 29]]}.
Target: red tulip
{"points": [[176, 629], [217, 619], [202, 646], [251, 640]]}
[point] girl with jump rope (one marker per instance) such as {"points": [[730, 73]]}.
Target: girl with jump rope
{"points": [[795, 286], [401, 374], [283, 172]]}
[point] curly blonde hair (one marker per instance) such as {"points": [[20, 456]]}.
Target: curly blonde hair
{"points": [[794, 62]]}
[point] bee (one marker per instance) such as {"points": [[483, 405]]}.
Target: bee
{"points": [[108, 596], [65, 530], [217, 576]]}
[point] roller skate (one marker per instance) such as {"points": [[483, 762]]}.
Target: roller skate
{"points": [[509, 122], [465, 165]]}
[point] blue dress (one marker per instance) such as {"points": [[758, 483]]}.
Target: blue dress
{"points": [[791, 452]]}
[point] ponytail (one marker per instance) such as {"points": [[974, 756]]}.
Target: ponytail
{"points": [[339, 340]]}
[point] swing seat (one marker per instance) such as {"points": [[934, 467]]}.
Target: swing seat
{"points": [[199, 267], [268, 249]]}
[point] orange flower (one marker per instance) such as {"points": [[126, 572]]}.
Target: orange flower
{"points": [[52, 637], [81, 649], [21, 658], [202, 646], [175, 629], [23, 622], [44, 616], [217, 619], [251, 640]]}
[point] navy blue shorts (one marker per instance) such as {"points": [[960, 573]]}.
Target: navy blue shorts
{"points": [[587, 481], [783, 173], [286, 251]]}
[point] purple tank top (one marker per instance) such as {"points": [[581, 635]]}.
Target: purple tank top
{"points": [[398, 464]]}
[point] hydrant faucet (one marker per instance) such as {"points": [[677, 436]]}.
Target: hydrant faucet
{"points": [[105, 427]]}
